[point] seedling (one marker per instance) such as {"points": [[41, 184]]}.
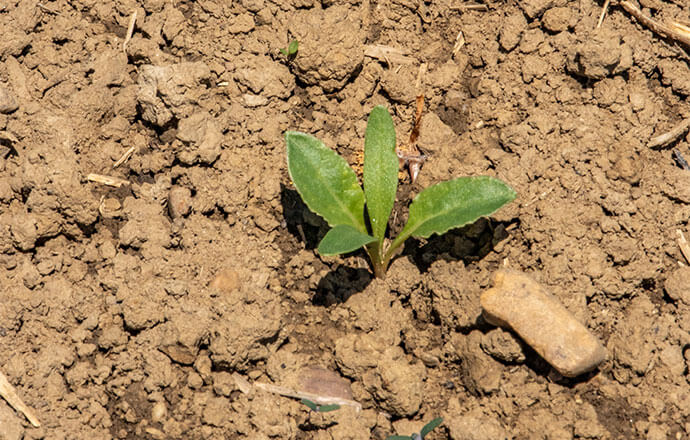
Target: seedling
{"points": [[290, 52], [329, 187], [423, 433], [319, 408]]}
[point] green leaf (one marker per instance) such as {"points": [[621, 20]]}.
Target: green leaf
{"points": [[453, 204], [430, 426], [380, 169], [328, 408], [325, 181], [398, 437], [284, 52], [292, 48], [312, 406], [342, 239]]}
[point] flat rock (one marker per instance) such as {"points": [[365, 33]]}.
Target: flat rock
{"points": [[519, 303], [317, 380]]}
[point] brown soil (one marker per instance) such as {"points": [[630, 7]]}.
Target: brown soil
{"points": [[125, 311]]}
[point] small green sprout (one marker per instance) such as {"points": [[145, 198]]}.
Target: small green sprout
{"points": [[319, 408], [290, 52], [329, 187], [425, 430]]}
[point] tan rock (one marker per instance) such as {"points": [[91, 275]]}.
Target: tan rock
{"points": [[518, 302]]}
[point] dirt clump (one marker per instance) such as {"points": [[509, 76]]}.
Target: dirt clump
{"points": [[126, 310]]}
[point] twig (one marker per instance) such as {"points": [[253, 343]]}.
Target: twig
{"points": [[680, 159], [459, 43], [604, 9], [130, 31], [386, 53], [47, 9], [8, 393], [107, 180], [675, 31], [683, 245], [124, 157], [671, 135], [420, 78], [316, 398], [539, 197], [470, 7]]}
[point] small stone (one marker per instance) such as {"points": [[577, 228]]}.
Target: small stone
{"points": [[159, 412], [557, 19], [227, 281], [519, 303], [223, 383], [254, 100], [8, 103], [179, 202], [677, 285], [194, 381]]}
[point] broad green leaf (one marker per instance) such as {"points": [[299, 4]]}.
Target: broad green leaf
{"points": [[325, 181], [380, 169], [430, 426], [453, 204], [342, 239], [328, 408]]}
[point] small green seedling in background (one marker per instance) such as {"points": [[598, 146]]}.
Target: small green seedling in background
{"points": [[329, 187], [290, 52], [425, 430], [319, 408]]}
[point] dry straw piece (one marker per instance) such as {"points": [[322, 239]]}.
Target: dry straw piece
{"points": [[674, 30], [107, 180], [671, 135], [8, 393]]}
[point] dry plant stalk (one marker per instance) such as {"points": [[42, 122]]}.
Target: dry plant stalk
{"points": [[130, 31], [469, 7], [604, 9], [8, 393], [124, 157], [674, 31], [107, 180], [683, 245], [388, 54], [316, 398], [671, 135]]}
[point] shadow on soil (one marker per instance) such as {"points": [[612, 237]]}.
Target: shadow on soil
{"points": [[469, 244]]}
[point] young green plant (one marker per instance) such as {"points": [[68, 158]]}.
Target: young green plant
{"points": [[423, 433], [290, 52], [329, 187]]}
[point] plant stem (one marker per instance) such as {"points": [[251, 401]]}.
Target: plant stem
{"points": [[374, 251]]}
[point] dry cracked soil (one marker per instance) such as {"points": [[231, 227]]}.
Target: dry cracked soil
{"points": [[145, 306]]}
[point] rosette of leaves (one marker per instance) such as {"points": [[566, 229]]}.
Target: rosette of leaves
{"points": [[329, 187]]}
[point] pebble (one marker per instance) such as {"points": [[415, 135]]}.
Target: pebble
{"points": [[8, 103], [226, 281], [677, 285], [179, 202], [519, 303]]}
